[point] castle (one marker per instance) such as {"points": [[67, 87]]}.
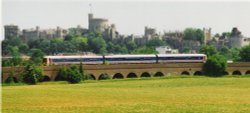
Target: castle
{"points": [[32, 34], [100, 25], [109, 32]]}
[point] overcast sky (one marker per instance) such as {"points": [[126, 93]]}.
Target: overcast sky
{"points": [[129, 17]]}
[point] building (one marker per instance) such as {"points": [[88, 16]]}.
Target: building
{"points": [[166, 50], [33, 34], [97, 25], [100, 25], [150, 33], [11, 31], [207, 34], [77, 30], [110, 33], [237, 40]]}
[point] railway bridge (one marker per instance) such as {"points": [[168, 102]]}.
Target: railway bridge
{"points": [[119, 71]]}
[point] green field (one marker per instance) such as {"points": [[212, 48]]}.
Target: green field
{"points": [[155, 95]]}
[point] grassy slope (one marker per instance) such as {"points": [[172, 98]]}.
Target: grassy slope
{"points": [[200, 94]]}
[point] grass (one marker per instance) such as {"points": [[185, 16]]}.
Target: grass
{"points": [[155, 95]]}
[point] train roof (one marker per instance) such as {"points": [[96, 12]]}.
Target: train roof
{"points": [[73, 56], [116, 56], [178, 55]]}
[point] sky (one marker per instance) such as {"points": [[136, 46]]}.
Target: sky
{"points": [[130, 17]]}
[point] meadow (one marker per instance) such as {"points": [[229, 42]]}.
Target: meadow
{"points": [[154, 95]]}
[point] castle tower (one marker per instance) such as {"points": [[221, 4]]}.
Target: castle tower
{"points": [[236, 39], [91, 16], [207, 35], [97, 25]]}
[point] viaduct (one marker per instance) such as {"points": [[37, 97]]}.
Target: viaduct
{"points": [[119, 71]]}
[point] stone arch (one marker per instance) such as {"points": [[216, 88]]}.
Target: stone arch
{"points": [[158, 74], [248, 72], [132, 75], [185, 73], [60, 78], [104, 76], [46, 78], [145, 74], [237, 72], [225, 73], [118, 76], [198, 73], [15, 79], [11, 79], [90, 77]]}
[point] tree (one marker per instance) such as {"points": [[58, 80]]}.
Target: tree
{"points": [[98, 45], [5, 46], [144, 50], [217, 35], [131, 45], [36, 55], [200, 35], [245, 54], [24, 48], [81, 43], [225, 52], [235, 54], [32, 74], [208, 50], [155, 43], [215, 65], [70, 47], [62, 74], [57, 46], [225, 35], [111, 47], [73, 75], [45, 46], [186, 50], [15, 41], [68, 37], [16, 56], [189, 34], [194, 34], [82, 71]]}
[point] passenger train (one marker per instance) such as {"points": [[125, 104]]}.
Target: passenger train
{"points": [[126, 59]]}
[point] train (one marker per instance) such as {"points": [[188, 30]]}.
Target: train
{"points": [[126, 59]]}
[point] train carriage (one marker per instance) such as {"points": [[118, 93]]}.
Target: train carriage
{"points": [[117, 59], [184, 58], [74, 59]]}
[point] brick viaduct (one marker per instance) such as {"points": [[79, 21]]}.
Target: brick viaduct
{"points": [[134, 70]]}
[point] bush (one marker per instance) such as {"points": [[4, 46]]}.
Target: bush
{"points": [[245, 54], [215, 65], [72, 74], [62, 74], [104, 76], [32, 75]]}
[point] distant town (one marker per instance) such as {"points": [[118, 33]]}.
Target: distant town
{"points": [[175, 42]]}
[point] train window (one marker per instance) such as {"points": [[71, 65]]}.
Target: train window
{"points": [[180, 58], [131, 59], [91, 59]]}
